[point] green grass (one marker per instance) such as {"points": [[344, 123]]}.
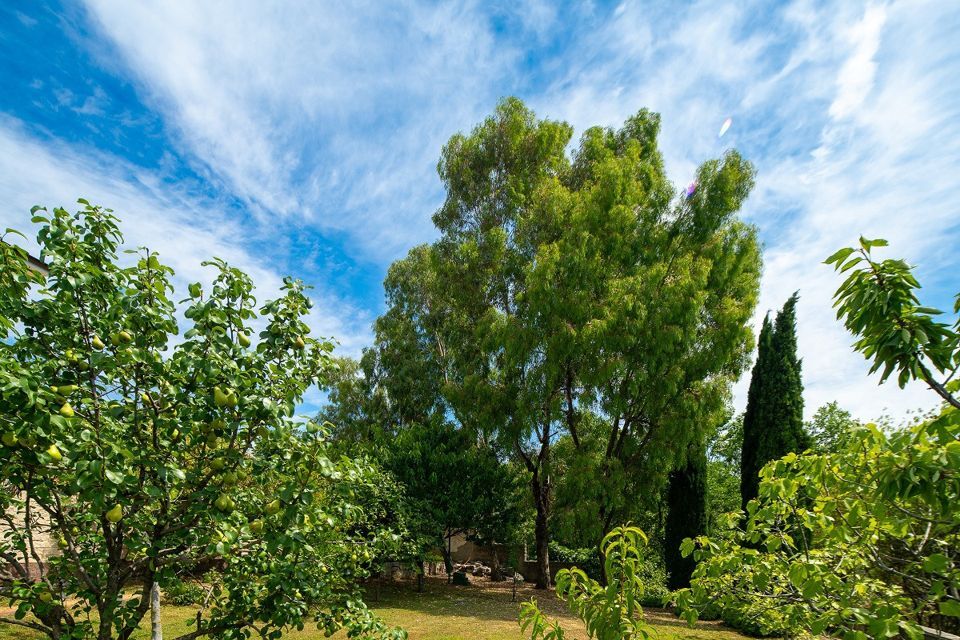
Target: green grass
{"points": [[442, 612]]}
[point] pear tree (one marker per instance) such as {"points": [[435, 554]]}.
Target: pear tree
{"points": [[144, 454]]}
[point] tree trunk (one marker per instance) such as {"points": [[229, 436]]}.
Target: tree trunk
{"points": [[541, 495], [156, 630]]}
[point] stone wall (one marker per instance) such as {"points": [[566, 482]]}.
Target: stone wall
{"points": [[44, 542]]}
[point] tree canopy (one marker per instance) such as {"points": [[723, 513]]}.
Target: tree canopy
{"points": [[561, 286]]}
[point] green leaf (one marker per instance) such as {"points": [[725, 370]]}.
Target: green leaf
{"points": [[950, 608], [936, 563], [839, 256]]}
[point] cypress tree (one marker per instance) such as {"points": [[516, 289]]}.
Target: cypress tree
{"points": [[773, 422], [686, 515]]}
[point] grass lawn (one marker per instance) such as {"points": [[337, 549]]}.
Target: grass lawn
{"points": [[480, 612]]}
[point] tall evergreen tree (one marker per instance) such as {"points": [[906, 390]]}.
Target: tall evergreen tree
{"points": [[773, 423], [686, 515]]}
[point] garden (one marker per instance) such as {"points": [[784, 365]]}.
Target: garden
{"points": [[549, 385]]}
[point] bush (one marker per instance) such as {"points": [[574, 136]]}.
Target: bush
{"points": [[183, 593], [651, 570], [585, 559]]}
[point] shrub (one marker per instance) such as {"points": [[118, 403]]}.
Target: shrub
{"points": [[183, 593]]}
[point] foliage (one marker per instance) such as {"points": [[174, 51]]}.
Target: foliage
{"points": [[455, 485], [143, 455], [686, 515], [449, 481], [581, 474], [586, 559], [773, 421], [183, 592], [610, 612], [831, 427], [561, 286], [861, 541], [878, 303], [723, 471]]}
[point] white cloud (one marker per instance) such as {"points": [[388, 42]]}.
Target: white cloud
{"points": [[332, 116], [856, 75], [185, 231]]}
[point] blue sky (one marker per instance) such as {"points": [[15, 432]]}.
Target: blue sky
{"points": [[303, 137]]}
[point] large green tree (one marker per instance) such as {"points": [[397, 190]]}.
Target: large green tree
{"points": [[144, 455], [773, 422], [564, 285]]}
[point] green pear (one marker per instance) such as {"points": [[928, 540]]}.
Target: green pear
{"points": [[220, 398], [312, 427], [66, 410], [97, 343], [65, 389], [243, 340], [124, 337], [224, 503], [175, 434], [45, 597], [54, 453], [8, 438], [273, 508], [70, 355], [256, 527], [115, 514], [299, 343]]}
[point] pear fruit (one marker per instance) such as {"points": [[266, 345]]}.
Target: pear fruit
{"points": [[175, 434], [45, 597], [256, 527], [8, 438], [124, 337], [97, 343], [66, 410], [65, 389], [115, 514], [224, 503], [243, 340], [299, 343], [54, 453], [224, 399], [273, 508]]}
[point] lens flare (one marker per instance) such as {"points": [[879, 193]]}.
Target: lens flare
{"points": [[726, 125]]}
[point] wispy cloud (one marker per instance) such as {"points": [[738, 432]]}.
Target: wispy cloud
{"points": [[311, 133], [184, 230], [329, 115]]}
